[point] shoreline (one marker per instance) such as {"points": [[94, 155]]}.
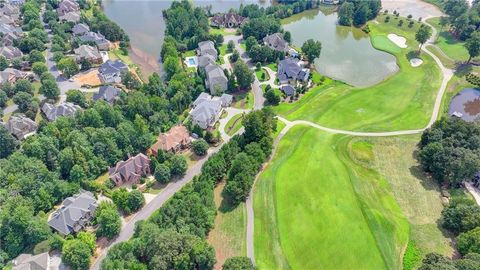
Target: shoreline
{"points": [[146, 62]]}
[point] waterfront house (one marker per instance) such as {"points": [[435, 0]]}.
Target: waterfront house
{"points": [[130, 170], [276, 42], [111, 71]]}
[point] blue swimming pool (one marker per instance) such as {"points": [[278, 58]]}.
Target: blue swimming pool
{"points": [[191, 61]]}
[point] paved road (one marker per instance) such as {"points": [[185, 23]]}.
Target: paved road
{"points": [[257, 90], [446, 76], [474, 191], [129, 227]]}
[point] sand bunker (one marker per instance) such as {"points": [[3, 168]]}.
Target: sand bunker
{"points": [[415, 62], [398, 40]]}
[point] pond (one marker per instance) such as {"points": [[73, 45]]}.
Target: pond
{"points": [[347, 53], [466, 105], [143, 22]]}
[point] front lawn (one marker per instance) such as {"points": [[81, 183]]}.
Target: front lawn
{"points": [[262, 73], [234, 124], [243, 100]]}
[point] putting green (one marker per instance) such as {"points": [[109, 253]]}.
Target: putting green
{"points": [[317, 209], [403, 101]]}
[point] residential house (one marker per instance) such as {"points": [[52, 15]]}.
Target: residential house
{"points": [[21, 126], [176, 139], [205, 60], [131, 170], [228, 20], [10, 29], [102, 43], [16, 2], [74, 214], [6, 19], [207, 109], [10, 52], [89, 53], [288, 90], [12, 75], [67, 6], [289, 70], [66, 109], [108, 93], [73, 16], [111, 71], [10, 10], [207, 47], [276, 42], [215, 80], [8, 39], [42, 261], [80, 29]]}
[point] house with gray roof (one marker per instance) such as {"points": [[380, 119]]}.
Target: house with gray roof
{"points": [[207, 47], [108, 93], [74, 214], [16, 2], [80, 29], [91, 37], [276, 42], [6, 19], [215, 80], [42, 261], [11, 75], [205, 60], [11, 11], [89, 53], [67, 6], [228, 20], [288, 90], [289, 70], [73, 16], [131, 170], [66, 109], [207, 109], [21, 126], [7, 28], [10, 52], [111, 71], [8, 39]]}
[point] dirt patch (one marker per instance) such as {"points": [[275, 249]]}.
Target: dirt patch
{"points": [[90, 77], [473, 107]]}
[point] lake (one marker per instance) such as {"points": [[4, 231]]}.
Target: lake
{"points": [[143, 22], [347, 53]]}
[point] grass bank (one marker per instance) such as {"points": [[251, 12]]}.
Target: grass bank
{"points": [[330, 214], [403, 101]]}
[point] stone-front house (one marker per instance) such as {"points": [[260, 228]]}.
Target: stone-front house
{"points": [[131, 170], [228, 20], [74, 214], [175, 140]]}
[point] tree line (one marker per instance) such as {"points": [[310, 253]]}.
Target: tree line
{"points": [[358, 12]]}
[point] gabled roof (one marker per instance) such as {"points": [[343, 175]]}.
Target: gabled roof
{"points": [[88, 52], [226, 99], [276, 42], [10, 52], [29, 262], [73, 211], [6, 19], [8, 39], [52, 112], [98, 38], [290, 68], [67, 6], [9, 9], [113, 67], [206, 109], [21, 126], [170, 140], [228, 18], [288, 90], [207, 47], [205, 60], [215, 75], [80, 29], [7, 28], [130, 169], [108, 93], [11, 74], [72, 16]]}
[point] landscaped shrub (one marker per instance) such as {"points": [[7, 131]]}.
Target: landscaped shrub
{"points": [[473, 79], [400, 23]]}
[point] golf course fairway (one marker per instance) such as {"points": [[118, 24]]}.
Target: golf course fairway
{"points": [[402, 101], [315, 208]]}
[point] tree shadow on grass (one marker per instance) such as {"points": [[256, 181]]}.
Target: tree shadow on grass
{"points": [[227, 205], [412, 54], [462, 69], [425, 179]]}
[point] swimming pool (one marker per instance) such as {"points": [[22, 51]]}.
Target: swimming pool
{"points": [[191, 61]]}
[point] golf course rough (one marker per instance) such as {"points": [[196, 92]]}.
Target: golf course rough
{"points": [[317, 209]]}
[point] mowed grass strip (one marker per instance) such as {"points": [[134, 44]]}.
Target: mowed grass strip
{"points": [[316, 209], [403, 101]]}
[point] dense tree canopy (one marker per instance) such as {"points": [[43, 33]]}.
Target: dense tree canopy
{"points": [[358, 12], [238, 263]]}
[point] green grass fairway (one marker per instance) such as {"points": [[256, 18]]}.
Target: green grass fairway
{"points": [[417, 195], [403, 101], [317, 209]]}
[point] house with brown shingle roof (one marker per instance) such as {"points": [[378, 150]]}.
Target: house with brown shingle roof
{"points": [[228, 20], [176, 139], [21, 126], [89, 53], [67, 6], [131, 170]]}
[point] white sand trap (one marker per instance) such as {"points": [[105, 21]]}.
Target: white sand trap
{"points": [[398, 40], [415, 62]]}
